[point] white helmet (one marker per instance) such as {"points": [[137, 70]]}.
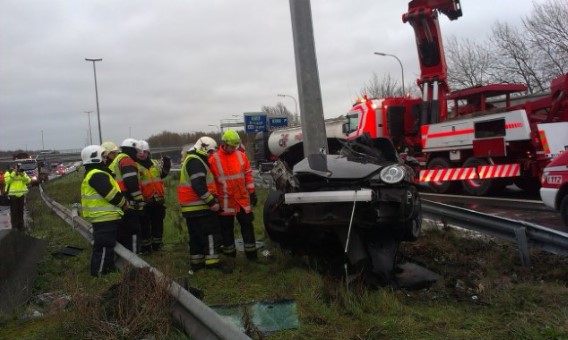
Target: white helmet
{"points": [[204, 145], [92, 154], [144, 146], [131, 143]]}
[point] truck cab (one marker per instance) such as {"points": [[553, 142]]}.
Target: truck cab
{"points": [[554, 190]]}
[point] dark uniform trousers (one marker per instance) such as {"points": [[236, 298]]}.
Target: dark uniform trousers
{"points": [[247, 230], [152, 226], [204, 237], [129, 230], [17, 212], [104, 240]]}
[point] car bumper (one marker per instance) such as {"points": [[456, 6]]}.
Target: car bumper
{"points": [[548, 196]]}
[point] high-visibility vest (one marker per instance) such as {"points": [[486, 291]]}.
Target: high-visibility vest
{"points": [[150, 181], [17, 183], [119, 177], [97, 208], [233, 176], [188, 199]]}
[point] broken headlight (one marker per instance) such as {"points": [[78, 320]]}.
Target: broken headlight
{"points": [[392, 174]]}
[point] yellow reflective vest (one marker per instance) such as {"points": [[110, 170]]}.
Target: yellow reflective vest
{"points": [[97, 208], [17, 183]]}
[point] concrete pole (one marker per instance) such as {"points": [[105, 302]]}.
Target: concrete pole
{"points": [[311, 108]]}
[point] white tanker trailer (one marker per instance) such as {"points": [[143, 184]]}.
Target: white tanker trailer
{"points": [[268, 146]]}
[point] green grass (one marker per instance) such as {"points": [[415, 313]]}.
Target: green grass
{"points": [[483, 291]]}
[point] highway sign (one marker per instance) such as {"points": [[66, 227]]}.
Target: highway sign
{"points": [[277, 122], [255, 122]]}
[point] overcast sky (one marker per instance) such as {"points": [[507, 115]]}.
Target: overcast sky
{"points": [[181, 65]]}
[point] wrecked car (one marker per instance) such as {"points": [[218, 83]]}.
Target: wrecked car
{"points": [[356, 203]]}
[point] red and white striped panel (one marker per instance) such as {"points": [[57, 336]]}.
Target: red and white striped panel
{"points": [[500, 170], [452, 174]]}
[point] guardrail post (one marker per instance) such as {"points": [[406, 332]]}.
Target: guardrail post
{"points": [[522, 243], [74, 213]]}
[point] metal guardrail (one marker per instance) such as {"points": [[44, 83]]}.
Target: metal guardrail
{"points": [[197, 319], [525, 234]]}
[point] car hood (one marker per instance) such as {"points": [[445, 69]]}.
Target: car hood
{"points": [[336, 167]]}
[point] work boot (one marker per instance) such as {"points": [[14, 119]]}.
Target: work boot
{"points": [[195, 267], [251, 256], [223, 268], [145, 250]]}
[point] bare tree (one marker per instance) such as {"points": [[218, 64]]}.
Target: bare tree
{"points": [[515, 61], [469, 63], [547, 29], [386, 87]]}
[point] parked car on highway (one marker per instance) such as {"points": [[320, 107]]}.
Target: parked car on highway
{"points": [[554, 190]]}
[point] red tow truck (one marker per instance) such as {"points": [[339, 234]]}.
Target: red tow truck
{"points": [[465, 139]]}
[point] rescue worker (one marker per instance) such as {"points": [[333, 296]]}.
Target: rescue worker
{"points": [[151, 172], [199, 205], [16, 188], [110, 151], [126, 175], [103, 205], [235, 186]]}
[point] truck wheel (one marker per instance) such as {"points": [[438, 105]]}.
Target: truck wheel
{"points": [[564, 210], [442, 187], [481, 187]]}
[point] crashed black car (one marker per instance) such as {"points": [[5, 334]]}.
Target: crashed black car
{"points": [[357, 202]]}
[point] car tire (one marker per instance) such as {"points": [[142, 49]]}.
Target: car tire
{"points": [[442, 187], [564, 209]]}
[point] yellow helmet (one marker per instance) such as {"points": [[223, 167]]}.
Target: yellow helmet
{"points": [[232, 138], [109, 147]]}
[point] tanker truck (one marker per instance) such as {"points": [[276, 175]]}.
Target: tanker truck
{"points": [[268, 146]]}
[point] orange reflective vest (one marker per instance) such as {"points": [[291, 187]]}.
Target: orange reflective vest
{"points": [[187, 197], [150, 181], [233, 176]]}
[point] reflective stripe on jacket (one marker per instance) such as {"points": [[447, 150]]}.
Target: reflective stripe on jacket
{"points": [[97, 208], [116, 169], [150, 181], [17, 183], [187, 197], [233, 176]]}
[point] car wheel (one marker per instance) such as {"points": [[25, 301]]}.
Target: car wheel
{"points": [[564, 209], [442, 187]]}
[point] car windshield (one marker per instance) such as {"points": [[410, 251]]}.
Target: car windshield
{"points": [[28, 165]]}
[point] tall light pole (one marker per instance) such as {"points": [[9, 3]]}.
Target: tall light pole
{"points": [[295, 103], [97, 96], [42, 146], [401, 68], [90, 132]]}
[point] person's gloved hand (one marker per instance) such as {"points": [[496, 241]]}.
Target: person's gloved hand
{"points": [[166, 162], [253, 199], [215, 207]]}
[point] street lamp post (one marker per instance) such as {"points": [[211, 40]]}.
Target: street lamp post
{"points": [[90, 131], [401, 68], [295, 103], [97, 96]]}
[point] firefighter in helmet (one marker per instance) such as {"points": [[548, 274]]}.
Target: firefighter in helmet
{"points": [[17, 182], [126, 175], [102, 204], [199, 205], [110, 151], [151, 172], [235, 185]]}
